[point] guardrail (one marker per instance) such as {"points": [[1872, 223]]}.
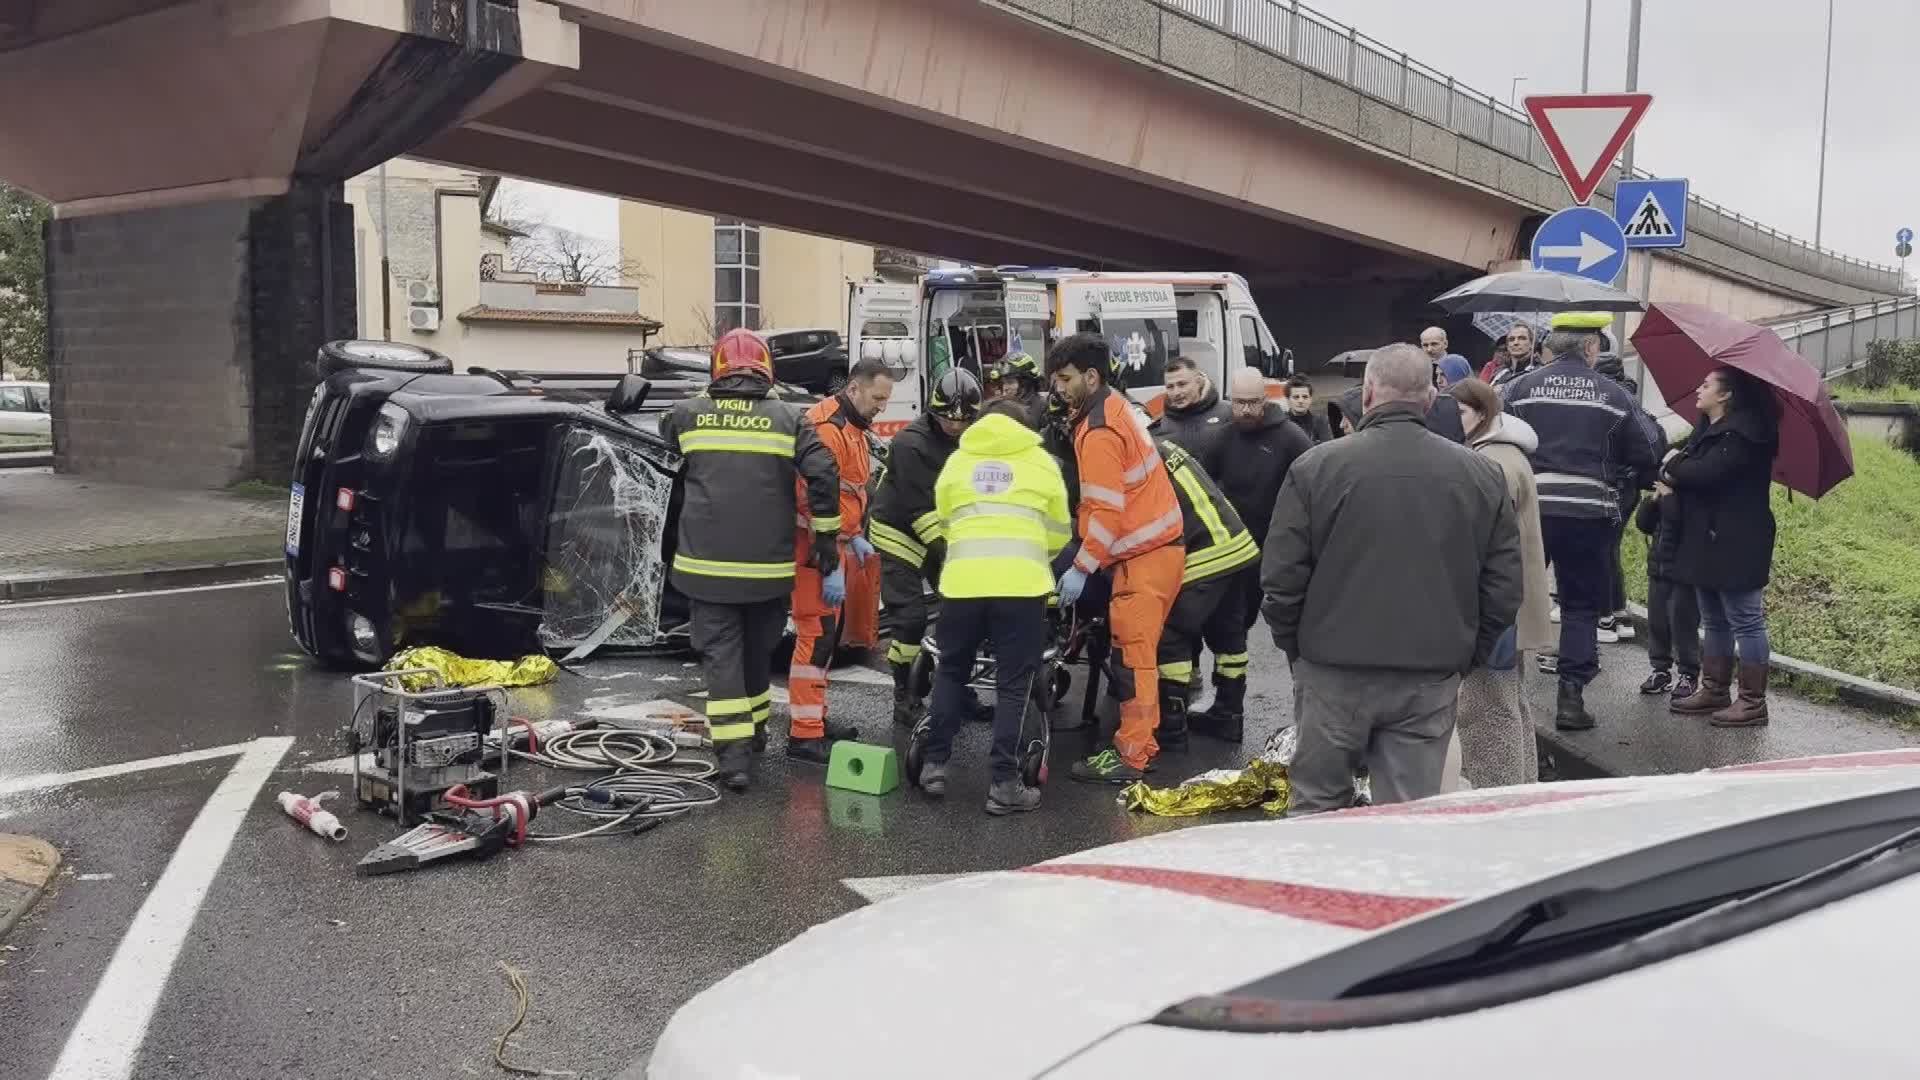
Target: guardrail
{"points": [[1298, 33], [1836, 340]]}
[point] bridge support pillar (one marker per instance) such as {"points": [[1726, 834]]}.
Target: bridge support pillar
{"points": [[182, 338]]}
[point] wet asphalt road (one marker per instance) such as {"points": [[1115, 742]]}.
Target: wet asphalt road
{"points": [[294, 967]]}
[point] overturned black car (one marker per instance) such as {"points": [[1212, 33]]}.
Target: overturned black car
{"points": [[495, 513]]}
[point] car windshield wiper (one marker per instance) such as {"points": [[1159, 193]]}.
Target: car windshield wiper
{"points": [[1891, 847]]}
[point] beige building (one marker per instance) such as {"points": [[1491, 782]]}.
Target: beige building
{"points": [[701, 276], [688, 277]]}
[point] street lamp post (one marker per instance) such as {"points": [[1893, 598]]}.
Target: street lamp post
{"points": [[1826, 92], [1586, 49], [1513, 90]]}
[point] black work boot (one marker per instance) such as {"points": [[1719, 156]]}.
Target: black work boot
{"points": [[1172, 732], [841, 729], [1225, 718], [735, 760], [1571, 713], [815, 751], [760, 737], [906, 709]]}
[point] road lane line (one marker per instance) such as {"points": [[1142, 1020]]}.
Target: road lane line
{"points": [[106, 1041], [875, 889], [253, 584], [40, 781]]}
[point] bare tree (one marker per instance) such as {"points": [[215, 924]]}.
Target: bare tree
{"points": [[552, 253]]}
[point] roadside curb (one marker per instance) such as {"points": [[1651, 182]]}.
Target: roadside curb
{"points": [[26, 459], [26, 865], [1854, 690], [63, 586]]}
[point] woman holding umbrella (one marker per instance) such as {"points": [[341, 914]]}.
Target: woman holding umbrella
{"points": [[1720, 482]]}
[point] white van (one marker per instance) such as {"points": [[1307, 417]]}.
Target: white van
{"points": [[973, 316]]}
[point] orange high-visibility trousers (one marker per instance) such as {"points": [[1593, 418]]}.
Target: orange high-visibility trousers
{"points": [[1144, 588], [813, 634]]}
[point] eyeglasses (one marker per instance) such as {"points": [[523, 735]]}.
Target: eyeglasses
{"points": [[1248, 403]]}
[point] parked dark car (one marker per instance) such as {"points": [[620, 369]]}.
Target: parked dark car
{"points": [[491, 512], [815, 360]]}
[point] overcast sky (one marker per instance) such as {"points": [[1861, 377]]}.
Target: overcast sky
{"points": [[1736, 88]]}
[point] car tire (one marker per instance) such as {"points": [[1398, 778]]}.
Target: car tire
{"points": [[381, 356]]}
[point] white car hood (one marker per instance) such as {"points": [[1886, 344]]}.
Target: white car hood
{"points": [[1007, 974]]}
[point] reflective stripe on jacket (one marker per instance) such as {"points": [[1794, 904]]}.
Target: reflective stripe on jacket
{"points": [[1004, 508], [1216, 540], [845, 436], [1127, 505], [903, 522], [741, 450]]}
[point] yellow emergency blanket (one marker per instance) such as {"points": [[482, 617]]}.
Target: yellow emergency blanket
{"points": [[458, 670], [1262, 783]]}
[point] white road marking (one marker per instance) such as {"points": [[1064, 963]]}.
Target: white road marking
{"points": [[40, 781], [93, 877], [875, 889], [105, 1042], [254, 584]]}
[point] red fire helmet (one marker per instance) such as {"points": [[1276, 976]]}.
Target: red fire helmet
{"points": [[741, 350]]}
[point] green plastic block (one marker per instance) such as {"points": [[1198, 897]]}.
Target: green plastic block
{"points": [[863, 767]]}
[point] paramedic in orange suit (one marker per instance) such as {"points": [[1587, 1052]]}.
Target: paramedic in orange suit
{"points": [[1129, 523], [841, 422]]}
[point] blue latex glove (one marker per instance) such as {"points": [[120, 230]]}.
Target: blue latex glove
{"points": [[833, 587], [1071, 582], [862, 549]]}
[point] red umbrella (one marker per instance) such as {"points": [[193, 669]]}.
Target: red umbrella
{"points": [[1681, 343]]}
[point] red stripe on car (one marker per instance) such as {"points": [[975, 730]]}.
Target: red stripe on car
{"points": [[1871, 760], [1488, 804], [1335, 907]]}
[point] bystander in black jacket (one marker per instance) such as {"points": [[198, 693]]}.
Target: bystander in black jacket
{"points": [[1392, 548], [1313, 424], [1200, 428], [1443, 416], [1256, 463], [1660, 520], [1723, 479]]}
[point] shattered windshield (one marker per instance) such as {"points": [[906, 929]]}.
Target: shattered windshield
{"points": [[605, 571]]}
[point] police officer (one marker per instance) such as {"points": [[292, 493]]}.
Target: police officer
{"points": [[1211, 604], [1004, 507], [907, 530], [735, 555]]}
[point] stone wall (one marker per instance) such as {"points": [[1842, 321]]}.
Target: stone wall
{"points": [[181, 339]]}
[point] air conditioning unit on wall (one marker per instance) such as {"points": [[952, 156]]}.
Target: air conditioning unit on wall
{"points": [[422, 292], [424, 318]]}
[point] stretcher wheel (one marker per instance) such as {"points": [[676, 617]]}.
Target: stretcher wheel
{"points": [[920, 676], [1059, 682], [916, 754], [1033, 745]]}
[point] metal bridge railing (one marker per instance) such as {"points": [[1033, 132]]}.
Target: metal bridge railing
{"points": [[1345, 55], [1836, 340]]}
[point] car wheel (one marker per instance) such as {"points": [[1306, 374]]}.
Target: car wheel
{"points": [[836, 381], [381, 356]]}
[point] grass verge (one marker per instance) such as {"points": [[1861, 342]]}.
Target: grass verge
{"points": [[1905, 393], [1846, 570]]}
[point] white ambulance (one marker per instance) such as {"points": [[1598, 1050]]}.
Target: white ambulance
{"points": [[974, 315]]}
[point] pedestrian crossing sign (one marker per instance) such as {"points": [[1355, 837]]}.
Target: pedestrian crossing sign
{"points": [[1652, 213]]}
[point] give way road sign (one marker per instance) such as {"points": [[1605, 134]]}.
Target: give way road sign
{"points": [[1583, 133]]}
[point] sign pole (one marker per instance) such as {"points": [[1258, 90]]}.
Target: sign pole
{"points": [[1626, 173]]}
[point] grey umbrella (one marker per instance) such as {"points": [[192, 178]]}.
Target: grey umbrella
{"points": [[1535, 290]]}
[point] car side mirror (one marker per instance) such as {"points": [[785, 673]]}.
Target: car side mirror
{"points": [[629, 394]]}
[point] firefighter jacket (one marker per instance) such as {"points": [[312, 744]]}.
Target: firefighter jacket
{"points": [[904, 523], [1127, 505], [1004, 508], [1216, 541], [844, 433], [742, 448]]}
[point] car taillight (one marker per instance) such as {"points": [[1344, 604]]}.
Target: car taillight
{"points": [[344, 499], [337, 579]]}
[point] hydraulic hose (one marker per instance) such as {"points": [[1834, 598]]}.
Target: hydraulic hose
{"points": [[645, 781]]}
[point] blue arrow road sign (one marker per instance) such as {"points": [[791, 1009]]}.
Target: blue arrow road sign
{"points": [[1580, 240], [1652, 213], [1904, 236]]}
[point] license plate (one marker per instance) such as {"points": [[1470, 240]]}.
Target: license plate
{"points": [[295, 503]]}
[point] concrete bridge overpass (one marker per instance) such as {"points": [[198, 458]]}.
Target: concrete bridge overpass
{"points": [[1347, 183]]}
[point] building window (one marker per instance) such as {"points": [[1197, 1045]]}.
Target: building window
{"points": [[736, 276]]}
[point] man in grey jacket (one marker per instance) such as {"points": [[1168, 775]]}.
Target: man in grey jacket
{"points": [[1391, 569]]}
